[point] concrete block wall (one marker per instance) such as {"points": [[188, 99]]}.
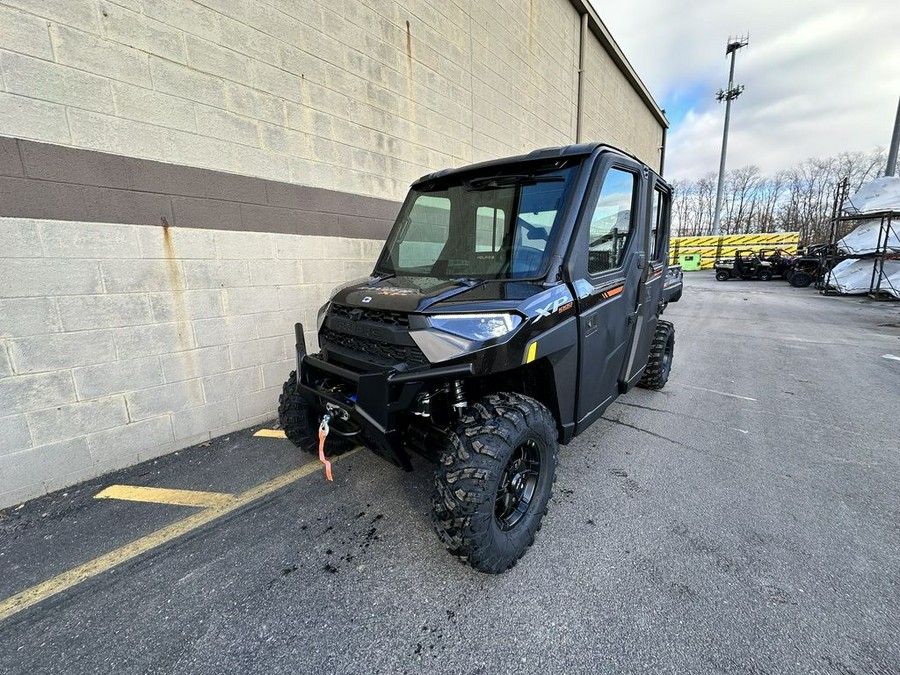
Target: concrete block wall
{"points": [[524, 62], [614, 111], [158, 339], [354, 96]]}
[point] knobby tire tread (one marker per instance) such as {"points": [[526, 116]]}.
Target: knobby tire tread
{"points": [[655, 376], [467, 476]]}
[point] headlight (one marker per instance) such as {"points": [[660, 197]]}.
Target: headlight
{"points": [[476, 326]]}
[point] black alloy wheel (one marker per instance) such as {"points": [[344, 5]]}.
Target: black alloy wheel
{"points": [[517, 485], [494, 480]]}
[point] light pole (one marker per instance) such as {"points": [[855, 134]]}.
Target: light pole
{"points": [[728, 96], [895, 143]]}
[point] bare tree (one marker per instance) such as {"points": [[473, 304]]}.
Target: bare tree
{"points": [[745, 184], [770, 193], [706, 203], [798, 199]]}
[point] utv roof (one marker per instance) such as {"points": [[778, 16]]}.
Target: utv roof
{"points": [[543, 153]]}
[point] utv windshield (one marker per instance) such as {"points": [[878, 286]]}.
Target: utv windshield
{"points": [[490, 226]]}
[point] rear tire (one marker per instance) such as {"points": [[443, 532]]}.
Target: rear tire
{"points": [[788, 273], [301, 423], [659, 364], [722, 276], [801, 279], [494, 481]]}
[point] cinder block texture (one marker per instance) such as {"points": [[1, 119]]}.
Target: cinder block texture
{"points": [[123, 342], [359, 97]]}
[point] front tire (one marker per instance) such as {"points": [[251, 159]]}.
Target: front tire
{"points": [[765, 275], [659, 364], [722, 275], [801, 279], [494, 481], [301, 423]]}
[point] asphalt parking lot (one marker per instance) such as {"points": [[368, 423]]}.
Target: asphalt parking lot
{"points": [[746, 519]]}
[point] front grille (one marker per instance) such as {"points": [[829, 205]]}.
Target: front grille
{"points": [[381, 316], [387, 352]]}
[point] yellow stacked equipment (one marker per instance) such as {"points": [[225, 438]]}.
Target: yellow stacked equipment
{"points": [[709, 248]]}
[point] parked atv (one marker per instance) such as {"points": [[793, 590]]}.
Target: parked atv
{"points": [[744, 265], [810, 266], [513, 302]]}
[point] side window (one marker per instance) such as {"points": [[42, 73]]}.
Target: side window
{"points": [[611, 222], [660, 224], [490, 226], [427, 230]]}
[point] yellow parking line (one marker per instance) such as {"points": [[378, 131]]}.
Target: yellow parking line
{"points": [[66, 580], [270, 433], [136, 493]]}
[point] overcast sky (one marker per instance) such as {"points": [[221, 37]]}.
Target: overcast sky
{"points": [[821, 77]]}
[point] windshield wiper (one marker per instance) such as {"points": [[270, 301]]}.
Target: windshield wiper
{"points": [[384, 276], [489, 182], [471, 282]]}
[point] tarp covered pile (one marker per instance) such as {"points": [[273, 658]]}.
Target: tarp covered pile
{"points": [[864, 239], [879, 195], [856, 276]]}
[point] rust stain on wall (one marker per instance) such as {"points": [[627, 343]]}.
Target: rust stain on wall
{"points": [[531, 14], [410, 92], [409, 45], [177, 287]]}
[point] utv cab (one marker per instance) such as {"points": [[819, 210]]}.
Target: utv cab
{"points": [[780, 260], [512, 303]]}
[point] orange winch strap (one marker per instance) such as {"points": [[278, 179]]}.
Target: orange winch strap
{"points": [[322, 459]]}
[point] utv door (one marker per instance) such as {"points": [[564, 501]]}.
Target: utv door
{"points": [[606, 267], [651, 288]]}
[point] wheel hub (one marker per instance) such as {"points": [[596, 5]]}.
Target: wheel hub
{"points": [[517, 485], [517, 482]]}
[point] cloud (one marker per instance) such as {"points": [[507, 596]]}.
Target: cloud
{"points": [[820, 77]]}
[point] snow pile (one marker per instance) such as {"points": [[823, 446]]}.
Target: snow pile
{"points": [[853, 277], [881, 194]]}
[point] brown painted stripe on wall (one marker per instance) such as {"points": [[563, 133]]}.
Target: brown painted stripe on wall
{"points": [[41, 180]]}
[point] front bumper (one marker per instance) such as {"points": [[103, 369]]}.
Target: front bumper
{"points": [[377, 402]]}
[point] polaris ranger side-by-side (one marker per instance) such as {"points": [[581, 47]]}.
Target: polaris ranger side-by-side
{"points": [[744, 265], [513, 301]]}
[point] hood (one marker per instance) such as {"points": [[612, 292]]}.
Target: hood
{"points": [[411, 294]]}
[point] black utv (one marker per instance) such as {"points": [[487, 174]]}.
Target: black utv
{"points": [[512, 303], [781, 260], [744, 265]]}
